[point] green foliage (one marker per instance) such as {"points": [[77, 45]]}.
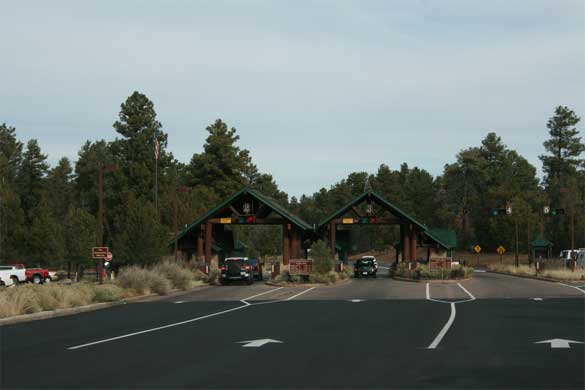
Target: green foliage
{"points": [[80, 236], [323, 277], [142, 238], [323, 260], [46, 240], [423, 272], [31, 177]]}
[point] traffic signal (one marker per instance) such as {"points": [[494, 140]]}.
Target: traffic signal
{"points": [[496, 212], [557, 211], [246, 219], [367, 220]]}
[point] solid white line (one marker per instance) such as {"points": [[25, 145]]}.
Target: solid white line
{"points": [[468, 293], [179, 302], [158, 328], [575, 287], [301, 293], [265, 292], [443, 331]]}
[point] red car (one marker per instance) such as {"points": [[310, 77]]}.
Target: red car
{"points": [[35, 275]]}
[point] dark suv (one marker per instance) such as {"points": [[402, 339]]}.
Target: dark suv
{"points": [[256, 268], [236, 268], [366, 266]]}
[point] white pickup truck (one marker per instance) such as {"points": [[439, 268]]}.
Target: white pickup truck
{"points": [[10, 275]]}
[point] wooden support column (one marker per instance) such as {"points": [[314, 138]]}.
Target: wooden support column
{"points": [[405, 243], [200, 245], [208, 242], [412, 245], [294, 244], [332, 238], [285, 244]]}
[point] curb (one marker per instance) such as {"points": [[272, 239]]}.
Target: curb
{"points": [[44, 315], [439, 281], [532, 277]]}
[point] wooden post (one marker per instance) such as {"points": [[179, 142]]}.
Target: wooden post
{"points": [[208, 242], [332, 238], [405, 244], [412, 244], [200, 254], [285, 244], [294, 244], [516, 249]]}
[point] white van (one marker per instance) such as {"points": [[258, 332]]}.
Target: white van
{"points": [[569, 254]]}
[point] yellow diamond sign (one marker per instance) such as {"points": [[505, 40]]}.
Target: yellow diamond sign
{"points": [[501, 250], [477, 248]]}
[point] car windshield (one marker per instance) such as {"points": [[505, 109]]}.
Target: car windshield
{"points": [[365, 263], [237, 262]]}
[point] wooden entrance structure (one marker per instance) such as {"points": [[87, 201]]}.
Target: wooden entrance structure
{"points": [[245, 207], [369, 209]]}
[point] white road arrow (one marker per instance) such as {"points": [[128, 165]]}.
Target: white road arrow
{"points": [[559, 343], [257, 343]]}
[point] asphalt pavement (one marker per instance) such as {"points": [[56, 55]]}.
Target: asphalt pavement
{"points": [[479, 333]]}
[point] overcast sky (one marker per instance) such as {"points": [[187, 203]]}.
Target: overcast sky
{"points": [[316, 89]]}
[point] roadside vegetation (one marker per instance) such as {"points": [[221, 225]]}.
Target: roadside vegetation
{"points": [[553, 273], [423, 272], [131, 281]]}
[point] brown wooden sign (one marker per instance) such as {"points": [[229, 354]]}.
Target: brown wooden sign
{"points": [[300, 267], [99, 252], [438, 263]]}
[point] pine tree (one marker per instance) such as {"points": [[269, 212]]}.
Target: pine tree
{"points": [[31, 177], [564, 146]]}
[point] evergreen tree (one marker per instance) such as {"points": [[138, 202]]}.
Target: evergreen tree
{"points": [[142, 239], [45, 238], [31, 177], [59, 188], [564, 146], [222, 166], [80, 237]]}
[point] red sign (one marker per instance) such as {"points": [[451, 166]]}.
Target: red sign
{"points": [[300, 267], [440, 263], [99, 252]]}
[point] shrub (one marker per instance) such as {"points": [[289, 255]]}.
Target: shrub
{"points": [[108, 293], [143, 281], [323, 259], [179, 277], [213, 276], [327, 278], [16, 301]]}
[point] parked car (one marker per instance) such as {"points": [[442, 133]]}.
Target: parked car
{"points": [[569, 254], [256, 268], [365, 266], [35, 275], [236, 269], [12, 273]]}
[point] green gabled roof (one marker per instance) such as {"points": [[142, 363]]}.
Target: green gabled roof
{"points": [[392, 208], [541, 242], [262, 198], [447, 238]]}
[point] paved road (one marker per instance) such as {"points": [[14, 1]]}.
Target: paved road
{"points": [[363, 333]]}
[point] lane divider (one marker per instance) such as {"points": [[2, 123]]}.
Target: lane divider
{"points": [[451, 319], [246, 304], [579, 288]]}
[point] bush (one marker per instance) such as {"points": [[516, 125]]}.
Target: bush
{"points": [[143, 281], [16, 301], [108, 293], [323, 259], [423, 272], [179, 277], [327, 278]]}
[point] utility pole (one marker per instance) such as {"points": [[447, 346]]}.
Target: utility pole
{"points": [[175, 225], [100, 237], [572, 230], [516, 254]]}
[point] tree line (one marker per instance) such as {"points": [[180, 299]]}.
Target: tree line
{"points": [[48, 215]]}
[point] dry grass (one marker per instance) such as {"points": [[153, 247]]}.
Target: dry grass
{"points": [[143, 281], [559, 273], [180, 277]]}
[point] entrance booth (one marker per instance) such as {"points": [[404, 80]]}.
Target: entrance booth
{"points": [[245, 207]]}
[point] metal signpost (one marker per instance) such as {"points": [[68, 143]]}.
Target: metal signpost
{"points": [[501, 250], [477, 249]]}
